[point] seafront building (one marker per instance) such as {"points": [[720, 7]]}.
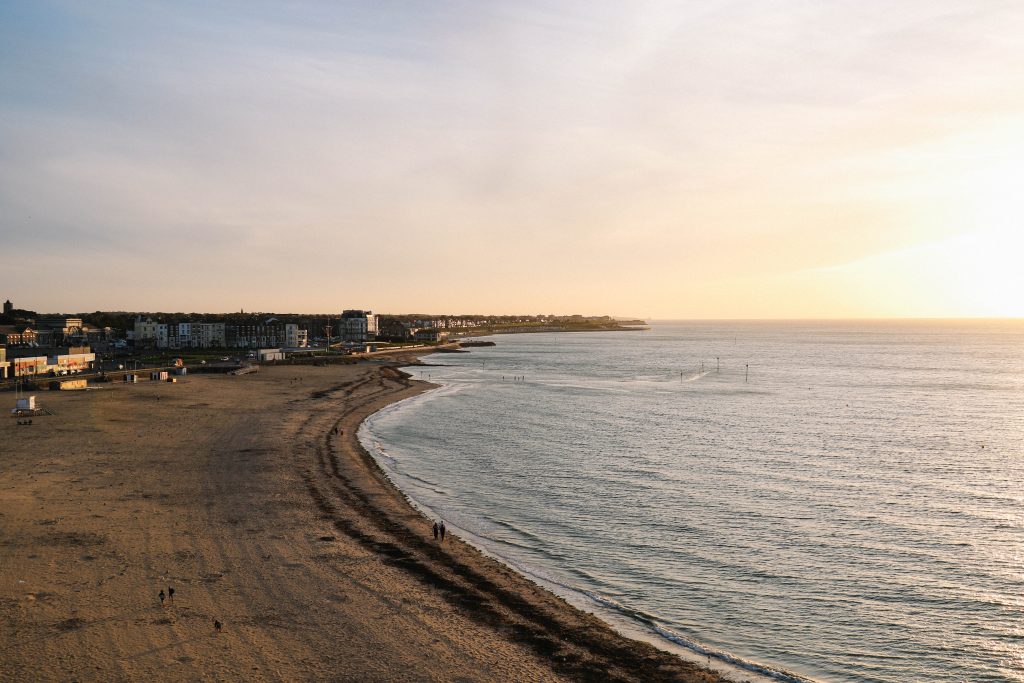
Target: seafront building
{"points": [[430, 335], [407, 328], [148, 333], [394, 329], [295, 337], [197, 336], [265, 336], [25, 362], [358, 326]]}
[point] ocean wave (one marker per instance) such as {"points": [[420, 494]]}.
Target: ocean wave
{"points": [[729, 658]]}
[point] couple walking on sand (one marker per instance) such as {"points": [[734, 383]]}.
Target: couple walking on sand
{"points": [[439, 529]]}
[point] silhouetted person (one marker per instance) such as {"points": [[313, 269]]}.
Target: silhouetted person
{"points": [[442, 532], [161, 598], [436, 530], [170, 594], [216, 626]]}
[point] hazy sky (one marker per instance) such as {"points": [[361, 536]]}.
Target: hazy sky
{"points": [[778, 158]]}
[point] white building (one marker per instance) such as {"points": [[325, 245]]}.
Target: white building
{"points": [[180, 335], [358, 326], [295, 338], [264, 355]]}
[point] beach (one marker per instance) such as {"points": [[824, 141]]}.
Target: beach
{"points": [[253, 499]]}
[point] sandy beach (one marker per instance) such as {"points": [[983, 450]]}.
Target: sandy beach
{"points": [[252, 498]]}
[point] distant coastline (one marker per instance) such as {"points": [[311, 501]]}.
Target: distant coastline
{"points": [[588, 326]]}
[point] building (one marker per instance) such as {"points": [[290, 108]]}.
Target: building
{"points": [[4, 365], [295, 338], [162, 335], [8, 307], [195, 336], [145, 330], [57, 361], [60, 330], [260, 336], [67, 326], [212, 335], [394, 329], [179, 335], [66, 361], [77, 359], [430, 335], [16, 335], [264, 355], [358, 326], [29, 366]]}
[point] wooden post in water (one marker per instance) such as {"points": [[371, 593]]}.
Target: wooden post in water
{"points": [[718, 364], [746, 375]]}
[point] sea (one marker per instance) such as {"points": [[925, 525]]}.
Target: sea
{"points": [[825, 501]]}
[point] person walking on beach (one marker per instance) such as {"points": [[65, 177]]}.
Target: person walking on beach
{"points": [[170, 594], [442, 532], [436, 529], [161, 597]]}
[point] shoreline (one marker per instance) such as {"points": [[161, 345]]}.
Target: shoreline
{"points": [[234, 491], [724, 663], [471, 558]]}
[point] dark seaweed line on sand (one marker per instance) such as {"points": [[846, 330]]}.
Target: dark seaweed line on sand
{"points": [[611, 656]]}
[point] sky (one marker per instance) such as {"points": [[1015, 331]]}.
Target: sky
{"points": [[713, 159]]}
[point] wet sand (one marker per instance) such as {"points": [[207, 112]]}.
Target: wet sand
{"points": [[237, 492]]}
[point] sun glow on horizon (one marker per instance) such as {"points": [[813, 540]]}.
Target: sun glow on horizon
{"points": [[978, 271], [965, 191]]}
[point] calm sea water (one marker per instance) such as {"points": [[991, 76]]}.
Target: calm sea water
{"points": [[853, 511]]}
